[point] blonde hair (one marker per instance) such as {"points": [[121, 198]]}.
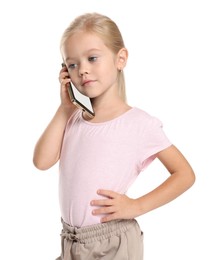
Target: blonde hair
{"points": [[105, 28]]}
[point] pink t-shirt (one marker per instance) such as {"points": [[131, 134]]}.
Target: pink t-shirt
{"points": [[107, 155]]}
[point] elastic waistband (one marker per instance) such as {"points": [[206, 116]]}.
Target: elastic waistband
{"points": [[96, 232]]}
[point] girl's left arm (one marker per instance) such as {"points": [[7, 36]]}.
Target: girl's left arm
{"points": [[119, 206]]}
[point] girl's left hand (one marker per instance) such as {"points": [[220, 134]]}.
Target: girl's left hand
{"points": [[114, 206]]}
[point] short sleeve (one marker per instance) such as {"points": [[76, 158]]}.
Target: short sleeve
{"points": [[153, 140]]}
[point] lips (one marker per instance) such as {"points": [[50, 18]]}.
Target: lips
{"points": [[86, 82]]}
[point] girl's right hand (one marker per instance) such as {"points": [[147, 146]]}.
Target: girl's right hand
{"points": [[64, 81]]}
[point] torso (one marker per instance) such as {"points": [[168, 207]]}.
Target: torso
{"points": [[107, 155]]}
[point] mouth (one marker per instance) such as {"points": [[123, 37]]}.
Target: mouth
{"points": [[87, 82]]}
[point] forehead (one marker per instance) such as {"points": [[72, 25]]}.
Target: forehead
{"points": [[83, 41]]}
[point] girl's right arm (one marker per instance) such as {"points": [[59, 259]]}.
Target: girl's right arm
{"points": [[48, 147]]}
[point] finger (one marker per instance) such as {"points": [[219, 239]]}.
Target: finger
{"points": [[65, 81], [64, 67], [106, 202], [109, 217], [103, 210], [63, 75], [107, 193]]}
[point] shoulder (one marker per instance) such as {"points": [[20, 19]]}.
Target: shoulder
{"points": [[146, 119]]}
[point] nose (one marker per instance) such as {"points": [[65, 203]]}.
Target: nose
{"points": [[83, 70]]}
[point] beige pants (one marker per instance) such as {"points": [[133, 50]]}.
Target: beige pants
{"points": [[115, 240]]}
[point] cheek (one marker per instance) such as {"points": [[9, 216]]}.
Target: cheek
{"points": [[109, 71], [110, 78]]}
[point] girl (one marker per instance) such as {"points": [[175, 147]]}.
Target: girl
{"points": [[100, 157]]}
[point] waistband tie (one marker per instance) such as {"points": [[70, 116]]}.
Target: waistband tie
{"points": [[70, 238]]}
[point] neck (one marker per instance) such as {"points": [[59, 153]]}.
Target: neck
{"points": [[107, 110]]}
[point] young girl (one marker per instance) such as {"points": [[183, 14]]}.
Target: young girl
{"points": [[100, 157]]}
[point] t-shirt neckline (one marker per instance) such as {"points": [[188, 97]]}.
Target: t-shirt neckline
{"points": [[108, 121]]}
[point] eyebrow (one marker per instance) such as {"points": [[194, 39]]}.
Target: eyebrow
{"points": [[90, 50]]}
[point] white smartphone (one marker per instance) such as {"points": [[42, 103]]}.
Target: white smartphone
{"points": [[78, 99]]}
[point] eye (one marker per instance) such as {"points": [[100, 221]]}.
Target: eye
{"points": [[72, 66], [92, 58]]}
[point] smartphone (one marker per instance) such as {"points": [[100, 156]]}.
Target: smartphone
{"points": [[81, 101], [78, 99]]}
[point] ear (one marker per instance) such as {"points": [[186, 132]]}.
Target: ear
{"points": [[122, 58]]}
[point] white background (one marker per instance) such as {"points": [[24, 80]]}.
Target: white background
{"points": [[173, 72]]}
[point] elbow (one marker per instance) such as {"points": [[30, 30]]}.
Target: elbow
{"points": [[186, 179], [39, 165], [42, 165], [190, 178], [43, 161]]}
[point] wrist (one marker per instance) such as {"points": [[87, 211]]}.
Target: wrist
{"points": [[65, 110], [138, 209]]}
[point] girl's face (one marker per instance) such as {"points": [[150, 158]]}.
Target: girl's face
{"points": [[92, 66]]}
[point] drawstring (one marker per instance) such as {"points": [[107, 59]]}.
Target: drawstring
{"points": [[69, 236], [70, 239]]}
